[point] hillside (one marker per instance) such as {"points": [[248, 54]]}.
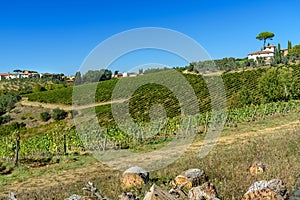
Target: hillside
{"points": [[273, 141]]}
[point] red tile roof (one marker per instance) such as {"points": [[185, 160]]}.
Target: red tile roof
{"points": [[260, 52]]}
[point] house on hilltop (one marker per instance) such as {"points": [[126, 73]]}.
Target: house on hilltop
{"points": [[8, 76], [267, 53]]}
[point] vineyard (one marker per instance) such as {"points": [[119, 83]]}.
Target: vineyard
{"points": [[64, 95], [245, 103], [242, 88], [59, 138]]}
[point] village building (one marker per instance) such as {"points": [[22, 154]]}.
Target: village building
{"points": [[267, 53]]}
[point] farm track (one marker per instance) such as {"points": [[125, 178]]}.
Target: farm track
{"points": [[25, 102], [89, 171]]}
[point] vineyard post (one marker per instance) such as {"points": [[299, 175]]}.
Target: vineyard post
{"points": [[253, 115], [226, 118], [284, 110], [65, 143], [206, 123], [265, 112], [105, 140], [188, 126], [17, 148]]}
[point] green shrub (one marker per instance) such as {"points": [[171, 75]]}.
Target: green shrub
{"points": [[5, 119], [45, 116], [59, 114], [5, 168]]}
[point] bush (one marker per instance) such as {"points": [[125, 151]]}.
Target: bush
{"points": [[45, 116], [5, 119], [74, 113], [59, 114], [5, 168]]}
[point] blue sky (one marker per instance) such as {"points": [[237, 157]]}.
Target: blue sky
{"points": [[55, 36]]}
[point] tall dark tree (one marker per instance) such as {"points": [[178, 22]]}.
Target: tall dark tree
{"points": [[278, 54], [289, 46], [17, 71], [97, 75], [265, 36], [78, 80]]}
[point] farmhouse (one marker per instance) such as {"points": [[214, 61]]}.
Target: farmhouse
{"points": [[8, 76], [267, 53]]}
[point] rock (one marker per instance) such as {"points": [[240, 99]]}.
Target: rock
{"points": [[273, 189], [257, 168], [12, 196], [262, 194], [74, 197], [156, 193], [128, 196], [205, 191], [134, 176], [191, 178], [294, 198], [278, 186], [297, 193]]}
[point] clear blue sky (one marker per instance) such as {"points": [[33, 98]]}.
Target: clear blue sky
{"points": [[56, 36]]}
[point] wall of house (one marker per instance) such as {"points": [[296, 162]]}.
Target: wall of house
{"points": [[270, 48], [267, 56]]}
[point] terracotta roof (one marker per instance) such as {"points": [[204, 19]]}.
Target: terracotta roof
{"points": [[260, 52]]}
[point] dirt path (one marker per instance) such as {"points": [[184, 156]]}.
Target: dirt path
{"points": [[89, 171], [25, 102]]}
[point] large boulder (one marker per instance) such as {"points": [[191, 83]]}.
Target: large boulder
{"points": [[190, 178], [134, 177], [206, 191]]}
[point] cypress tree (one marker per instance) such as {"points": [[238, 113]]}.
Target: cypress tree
{"points": [[289, 46]]}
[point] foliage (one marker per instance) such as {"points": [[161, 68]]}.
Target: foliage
{"points": [[295, 49], [63, 96], [278, 84], [241, 88], [225, 64], [264, 36], [4, 119], [59, 114], [78, 79], [45, 116], [7, 102], [5, 168], [103, 93], [9, 128], [289, 46], [96, 75], [155, 70], [278, 54]]}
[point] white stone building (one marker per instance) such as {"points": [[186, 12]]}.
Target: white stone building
{"points": [[268, 53]]}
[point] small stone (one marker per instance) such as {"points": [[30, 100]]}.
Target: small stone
{"points": [[257, 168], [128, 196]]}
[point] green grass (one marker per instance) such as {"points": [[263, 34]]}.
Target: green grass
{"points": [[226, 165]]}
